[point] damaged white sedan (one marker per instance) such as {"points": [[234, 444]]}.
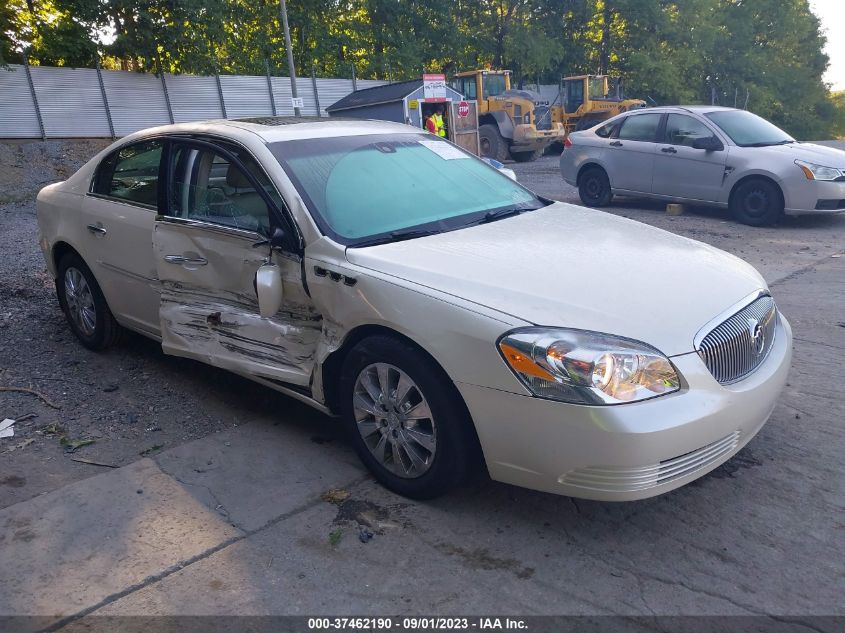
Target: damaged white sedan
{"points": [[445, 312]]}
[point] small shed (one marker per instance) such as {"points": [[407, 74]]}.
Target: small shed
{"points": [[402, 102]]}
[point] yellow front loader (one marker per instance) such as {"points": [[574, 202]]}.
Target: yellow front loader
{"points": [[585, 100], [511, 123]]}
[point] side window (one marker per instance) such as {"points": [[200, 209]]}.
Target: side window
{"points": [[469, 87], [209, 188], [683, 130], [606, 130], [131, 174], [640, 127]]}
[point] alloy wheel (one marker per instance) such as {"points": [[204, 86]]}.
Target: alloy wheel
{"points": [[80, 301], [395, 420]]}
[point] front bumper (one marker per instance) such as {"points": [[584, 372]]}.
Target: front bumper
{"points": [[631, 451], [527, 137], [803, 197]]}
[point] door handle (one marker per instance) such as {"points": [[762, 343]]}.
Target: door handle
{"points": [[185, 261], [616, 144], [668, 150], [97, 229]]}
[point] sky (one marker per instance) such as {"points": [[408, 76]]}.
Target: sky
{"points": [[832, 15]]}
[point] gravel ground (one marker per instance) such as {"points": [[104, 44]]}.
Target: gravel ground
{"points": [[133, 400]]}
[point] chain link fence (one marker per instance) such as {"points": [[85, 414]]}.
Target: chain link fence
{"points": [[57, 102]]}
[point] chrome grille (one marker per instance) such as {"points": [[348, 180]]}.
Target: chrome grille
{"points": [[736, 347]]}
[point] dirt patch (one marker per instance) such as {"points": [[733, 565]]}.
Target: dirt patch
{"points": [[30, 165], [480, 558], [13, 480]]}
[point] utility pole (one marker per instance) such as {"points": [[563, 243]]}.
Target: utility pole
{"points": [[283, 9]]}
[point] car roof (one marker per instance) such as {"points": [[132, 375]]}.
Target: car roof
{"points": [[274, 129], [697, 109]]}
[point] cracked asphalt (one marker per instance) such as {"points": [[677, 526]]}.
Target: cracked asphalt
{"points": [[266, 517]]}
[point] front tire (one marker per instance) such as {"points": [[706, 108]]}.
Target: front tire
{"points": [[84, 305], [405, 418], [757, 202], [594, 187], [492, 143]]}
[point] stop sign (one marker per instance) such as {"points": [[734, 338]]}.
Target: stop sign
{"points": [[463, 109]]}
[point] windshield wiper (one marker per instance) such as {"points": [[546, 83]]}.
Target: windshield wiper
{"points": [[767, 143], [395, 236], [500, 214]]}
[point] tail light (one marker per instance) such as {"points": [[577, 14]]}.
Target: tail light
{"points": [[567, 143]]}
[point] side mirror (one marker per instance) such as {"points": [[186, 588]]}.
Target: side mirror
{"points": [[708, 144], [268, 287], [277, 240]]}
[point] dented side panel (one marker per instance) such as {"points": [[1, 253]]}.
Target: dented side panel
{"points": [[210, 312]]}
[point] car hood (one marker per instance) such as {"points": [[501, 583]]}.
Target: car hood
{"points": [[810, 152], [570, 266]]}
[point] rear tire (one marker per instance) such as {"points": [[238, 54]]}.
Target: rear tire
{"points": [[757, 202], [492, 143], [594, 187], [84, 305], [388, 420], [526, 157]]}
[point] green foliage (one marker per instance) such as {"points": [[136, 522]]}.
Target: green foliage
{"points": [[769, 52]]}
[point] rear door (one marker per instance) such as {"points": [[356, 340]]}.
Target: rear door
{"points": [[630, 154], [683, 172], [208, 245], [118, 215]]}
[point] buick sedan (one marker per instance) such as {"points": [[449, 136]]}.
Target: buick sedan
{"points": [[449, 316]]}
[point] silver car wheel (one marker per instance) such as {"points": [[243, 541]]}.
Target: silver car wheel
{"points": [[80, 301], [394, 420]]}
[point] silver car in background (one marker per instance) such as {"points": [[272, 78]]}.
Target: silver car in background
{"points": [[705, 155]]}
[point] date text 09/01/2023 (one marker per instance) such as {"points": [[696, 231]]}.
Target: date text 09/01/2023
{"points": [[416, 623]]}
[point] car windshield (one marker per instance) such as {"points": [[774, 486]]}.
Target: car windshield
{"points": [[375, 188], [747, 129]]}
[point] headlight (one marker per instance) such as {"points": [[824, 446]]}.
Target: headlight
{"points": [[819, 172], [587, 367]]}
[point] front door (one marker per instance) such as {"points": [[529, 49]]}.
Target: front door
{"points": [[683, 172], [630, 153], [221, 204]]}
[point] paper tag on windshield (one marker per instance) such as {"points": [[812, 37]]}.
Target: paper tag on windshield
{"points": [[444, 150]]}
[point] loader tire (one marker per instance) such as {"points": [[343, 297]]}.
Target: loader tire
{"points": [[493, 144]]}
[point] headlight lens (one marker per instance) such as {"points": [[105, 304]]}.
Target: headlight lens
{"points": [[587, 367], [819, 172]]}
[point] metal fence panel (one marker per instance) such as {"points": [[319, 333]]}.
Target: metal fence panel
{"points": [[71, 102], [17, 111], [332, 90], [281, 93], [246, 96], [136, 101], [193, 98], [305, 91]]}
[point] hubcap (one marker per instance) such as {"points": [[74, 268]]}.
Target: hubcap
{"points": [[593, 187], [394, 419], [80, 301], [756, 202]]}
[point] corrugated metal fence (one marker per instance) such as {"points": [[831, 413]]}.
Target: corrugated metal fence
{"points": [[48, 102]]}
